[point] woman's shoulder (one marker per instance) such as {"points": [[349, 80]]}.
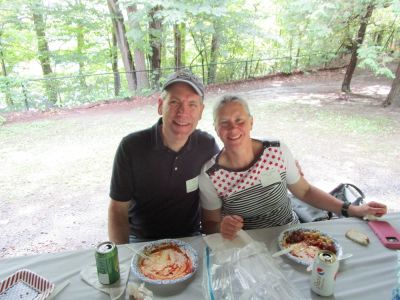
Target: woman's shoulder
{"points": [[267, 142], [210, 165]]}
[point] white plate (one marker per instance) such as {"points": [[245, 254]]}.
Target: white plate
{"points": [[284, 234], [151, 246], [25, 285]]}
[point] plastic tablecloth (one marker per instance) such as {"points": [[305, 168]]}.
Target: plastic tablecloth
{"points": [[372, 272]]}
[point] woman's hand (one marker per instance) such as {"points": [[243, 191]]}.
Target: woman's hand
{"points": [[370, 208], [230, 225]]}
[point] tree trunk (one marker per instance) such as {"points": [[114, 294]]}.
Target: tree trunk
{"points": [[379, 37], [43, 54], [200, 53], [296, 63], [290, 54], [155, 30], [114, 63], [80, 45], [178, 47], [182, 30], [138, 55], [9, 100], [214, 53], [120, 32], [394, 95], [356, 44]]}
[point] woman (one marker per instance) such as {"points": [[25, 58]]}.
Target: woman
{"points": [[245, 185]]}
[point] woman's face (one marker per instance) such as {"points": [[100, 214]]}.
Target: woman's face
{"points": [[233, 125]]}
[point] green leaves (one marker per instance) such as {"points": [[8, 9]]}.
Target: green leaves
{"points": [[374, 58], [278, 35]]}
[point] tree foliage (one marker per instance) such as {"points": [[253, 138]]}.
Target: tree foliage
{"points": [[219, 40]]}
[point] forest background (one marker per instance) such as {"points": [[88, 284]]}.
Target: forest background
{"points": [[60, 55], [67, 53]]}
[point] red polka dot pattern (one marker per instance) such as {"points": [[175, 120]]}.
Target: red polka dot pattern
{"points": [[228, 183]]}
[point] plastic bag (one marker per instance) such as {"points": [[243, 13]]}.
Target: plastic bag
{"points": [[247, 273]]}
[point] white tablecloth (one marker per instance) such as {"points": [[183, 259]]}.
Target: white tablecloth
{"points": [[370, 274]]}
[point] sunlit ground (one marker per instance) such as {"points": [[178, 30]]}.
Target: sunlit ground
{"points": [[55, 173]]}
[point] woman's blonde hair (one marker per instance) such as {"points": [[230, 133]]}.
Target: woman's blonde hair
{"points": [[226, 99]]}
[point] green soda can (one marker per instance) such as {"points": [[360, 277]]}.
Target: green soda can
{"points": [[107, 263]]}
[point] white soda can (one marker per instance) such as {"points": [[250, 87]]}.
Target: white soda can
{"points": [[323, 276]]}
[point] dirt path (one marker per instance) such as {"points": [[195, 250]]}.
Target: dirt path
{"points": [[55, 166]]}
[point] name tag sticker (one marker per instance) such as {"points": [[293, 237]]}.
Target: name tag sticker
{"points": [[192, 184], [270, 177]]}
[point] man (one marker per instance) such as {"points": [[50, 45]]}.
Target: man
{"points": [[154, 185]]}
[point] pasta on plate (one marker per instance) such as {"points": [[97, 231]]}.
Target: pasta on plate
{"points": [[166, 262], [306, 243]]}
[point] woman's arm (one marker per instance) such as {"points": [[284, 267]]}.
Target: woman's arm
{"points": [[320, 199], [228, 226], [315, 197]]}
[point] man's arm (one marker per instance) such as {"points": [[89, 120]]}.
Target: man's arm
{"points": [[118, 222]]}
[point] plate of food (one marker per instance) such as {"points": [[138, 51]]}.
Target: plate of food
{"points": [[165, 261], [26, 285], [305, 244]]}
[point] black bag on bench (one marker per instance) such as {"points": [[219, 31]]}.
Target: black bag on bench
{"points": [[344, 191]]}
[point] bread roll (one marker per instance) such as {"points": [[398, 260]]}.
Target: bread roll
{"points": [[357, 237]]}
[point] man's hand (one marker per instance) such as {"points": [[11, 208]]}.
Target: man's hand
{"points": [[230, 225]]}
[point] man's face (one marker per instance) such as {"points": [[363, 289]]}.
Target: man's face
{"points": [[181, 111]]}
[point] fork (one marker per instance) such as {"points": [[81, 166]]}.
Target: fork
{"points": [[141, 254], [286, 250]]}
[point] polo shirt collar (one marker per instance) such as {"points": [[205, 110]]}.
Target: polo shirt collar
{"points": [[158, 141]]}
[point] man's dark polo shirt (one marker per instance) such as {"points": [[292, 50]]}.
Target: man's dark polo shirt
{"points": [[156, 180]]}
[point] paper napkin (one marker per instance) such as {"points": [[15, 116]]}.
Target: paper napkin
{"points": [[115, 290], [217, 242]]}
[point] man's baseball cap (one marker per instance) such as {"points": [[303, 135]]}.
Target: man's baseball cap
{"points": [[188, 77]]}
